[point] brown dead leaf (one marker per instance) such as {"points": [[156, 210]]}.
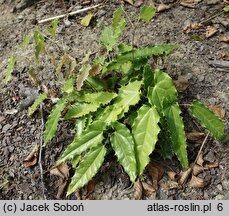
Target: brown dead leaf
{"points": [[210, 165], [200, 159], [95, 70], [218, 110], [61, 187], [195, 136], [129, 1], [196, 26], [91, 186], [31, 159], [183, 176], [162, 7], [83, 74], [181, 85], [197, 182], [189, 5], [138, 189], [224, 38], [168, 185], [156, 172], [196, 169], [138, 3], [173, 176], [60, 170], [149, 190], [210, 31]]}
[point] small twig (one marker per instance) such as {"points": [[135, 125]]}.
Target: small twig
{"points": [[40, 153], [69, 14], [211, 17], [201, 147]]}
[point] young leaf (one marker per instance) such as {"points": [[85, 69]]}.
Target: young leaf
{"points": [[91, 137], [145, 132], [148, 76], [10, 68], [147, 13], [39, 44], [53, 28], [25, 42], [164, 92], [86, 20], [123, 145], [146, 52], [52, 122], [68, 86], [177, 133], [99, 97], [124, 48], [87, 168], [80, 125], [83, 74], [226, 8], [81, 109], [116, 18], [208, 119], [36, 103]]}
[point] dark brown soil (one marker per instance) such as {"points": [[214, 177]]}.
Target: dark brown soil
{"points": [[19, 133]]}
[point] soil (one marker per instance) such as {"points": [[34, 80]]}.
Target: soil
{"points": [[191, 61]]}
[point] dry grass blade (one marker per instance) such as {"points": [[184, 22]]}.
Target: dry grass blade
{"points": [[138, 189], [32, 158]]}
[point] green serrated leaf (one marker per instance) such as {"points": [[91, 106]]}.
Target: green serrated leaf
{"points": [[80, 125], [86, 20], [10, 68], [124, 48], [145, 131], [91, 137], [110, 114], [75, 160], [87, 168], [68, 86], [36, 103], [39, 44], [66, 60], [81, 109], [147, 13], [101, 98], [53, 119], [177, 133], [208, 119], [164, 92], [53, 28], [117, 18], [226, 8], [126, 67], [146, 52], [25, 42], [123, 145]]}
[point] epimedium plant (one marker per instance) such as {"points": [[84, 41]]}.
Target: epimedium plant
{"points": [[119, 102]]}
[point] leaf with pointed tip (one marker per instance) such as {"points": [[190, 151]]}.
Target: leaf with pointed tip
{"points": [[36, 103], [53, 28], [87, 168], [83, 74], [147, 13], [226, 8], [86, 20], [10, 68], [91, 137], [146, 52], [117, 16], [53, 119], [123, 145], [81, 109], [208, 119], [25, 42], [177, 133], [164, 92], [39, 44], [68, 86], [145, 131], [101, 98]]}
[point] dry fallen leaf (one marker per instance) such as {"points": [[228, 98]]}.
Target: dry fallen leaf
{"points": [[60, 170], [61, 187], [200, 159], [173, 176], [195, 136], [210, 31], [91, 186], [183, 176], [168, 185], [138, 3], [149, 190], [86, 20], [95, 70], [197, 182], [181, 85], [218, 110], [156, 172], [196, 169], [162, 7], [31, 159], [138, 190], [129, 1], [224, 38], [210, 165]]}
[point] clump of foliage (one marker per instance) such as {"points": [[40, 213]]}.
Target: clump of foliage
{"points": [[119, 102]]}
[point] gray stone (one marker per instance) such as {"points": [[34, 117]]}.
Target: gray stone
{"points": [[6, 128]]}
